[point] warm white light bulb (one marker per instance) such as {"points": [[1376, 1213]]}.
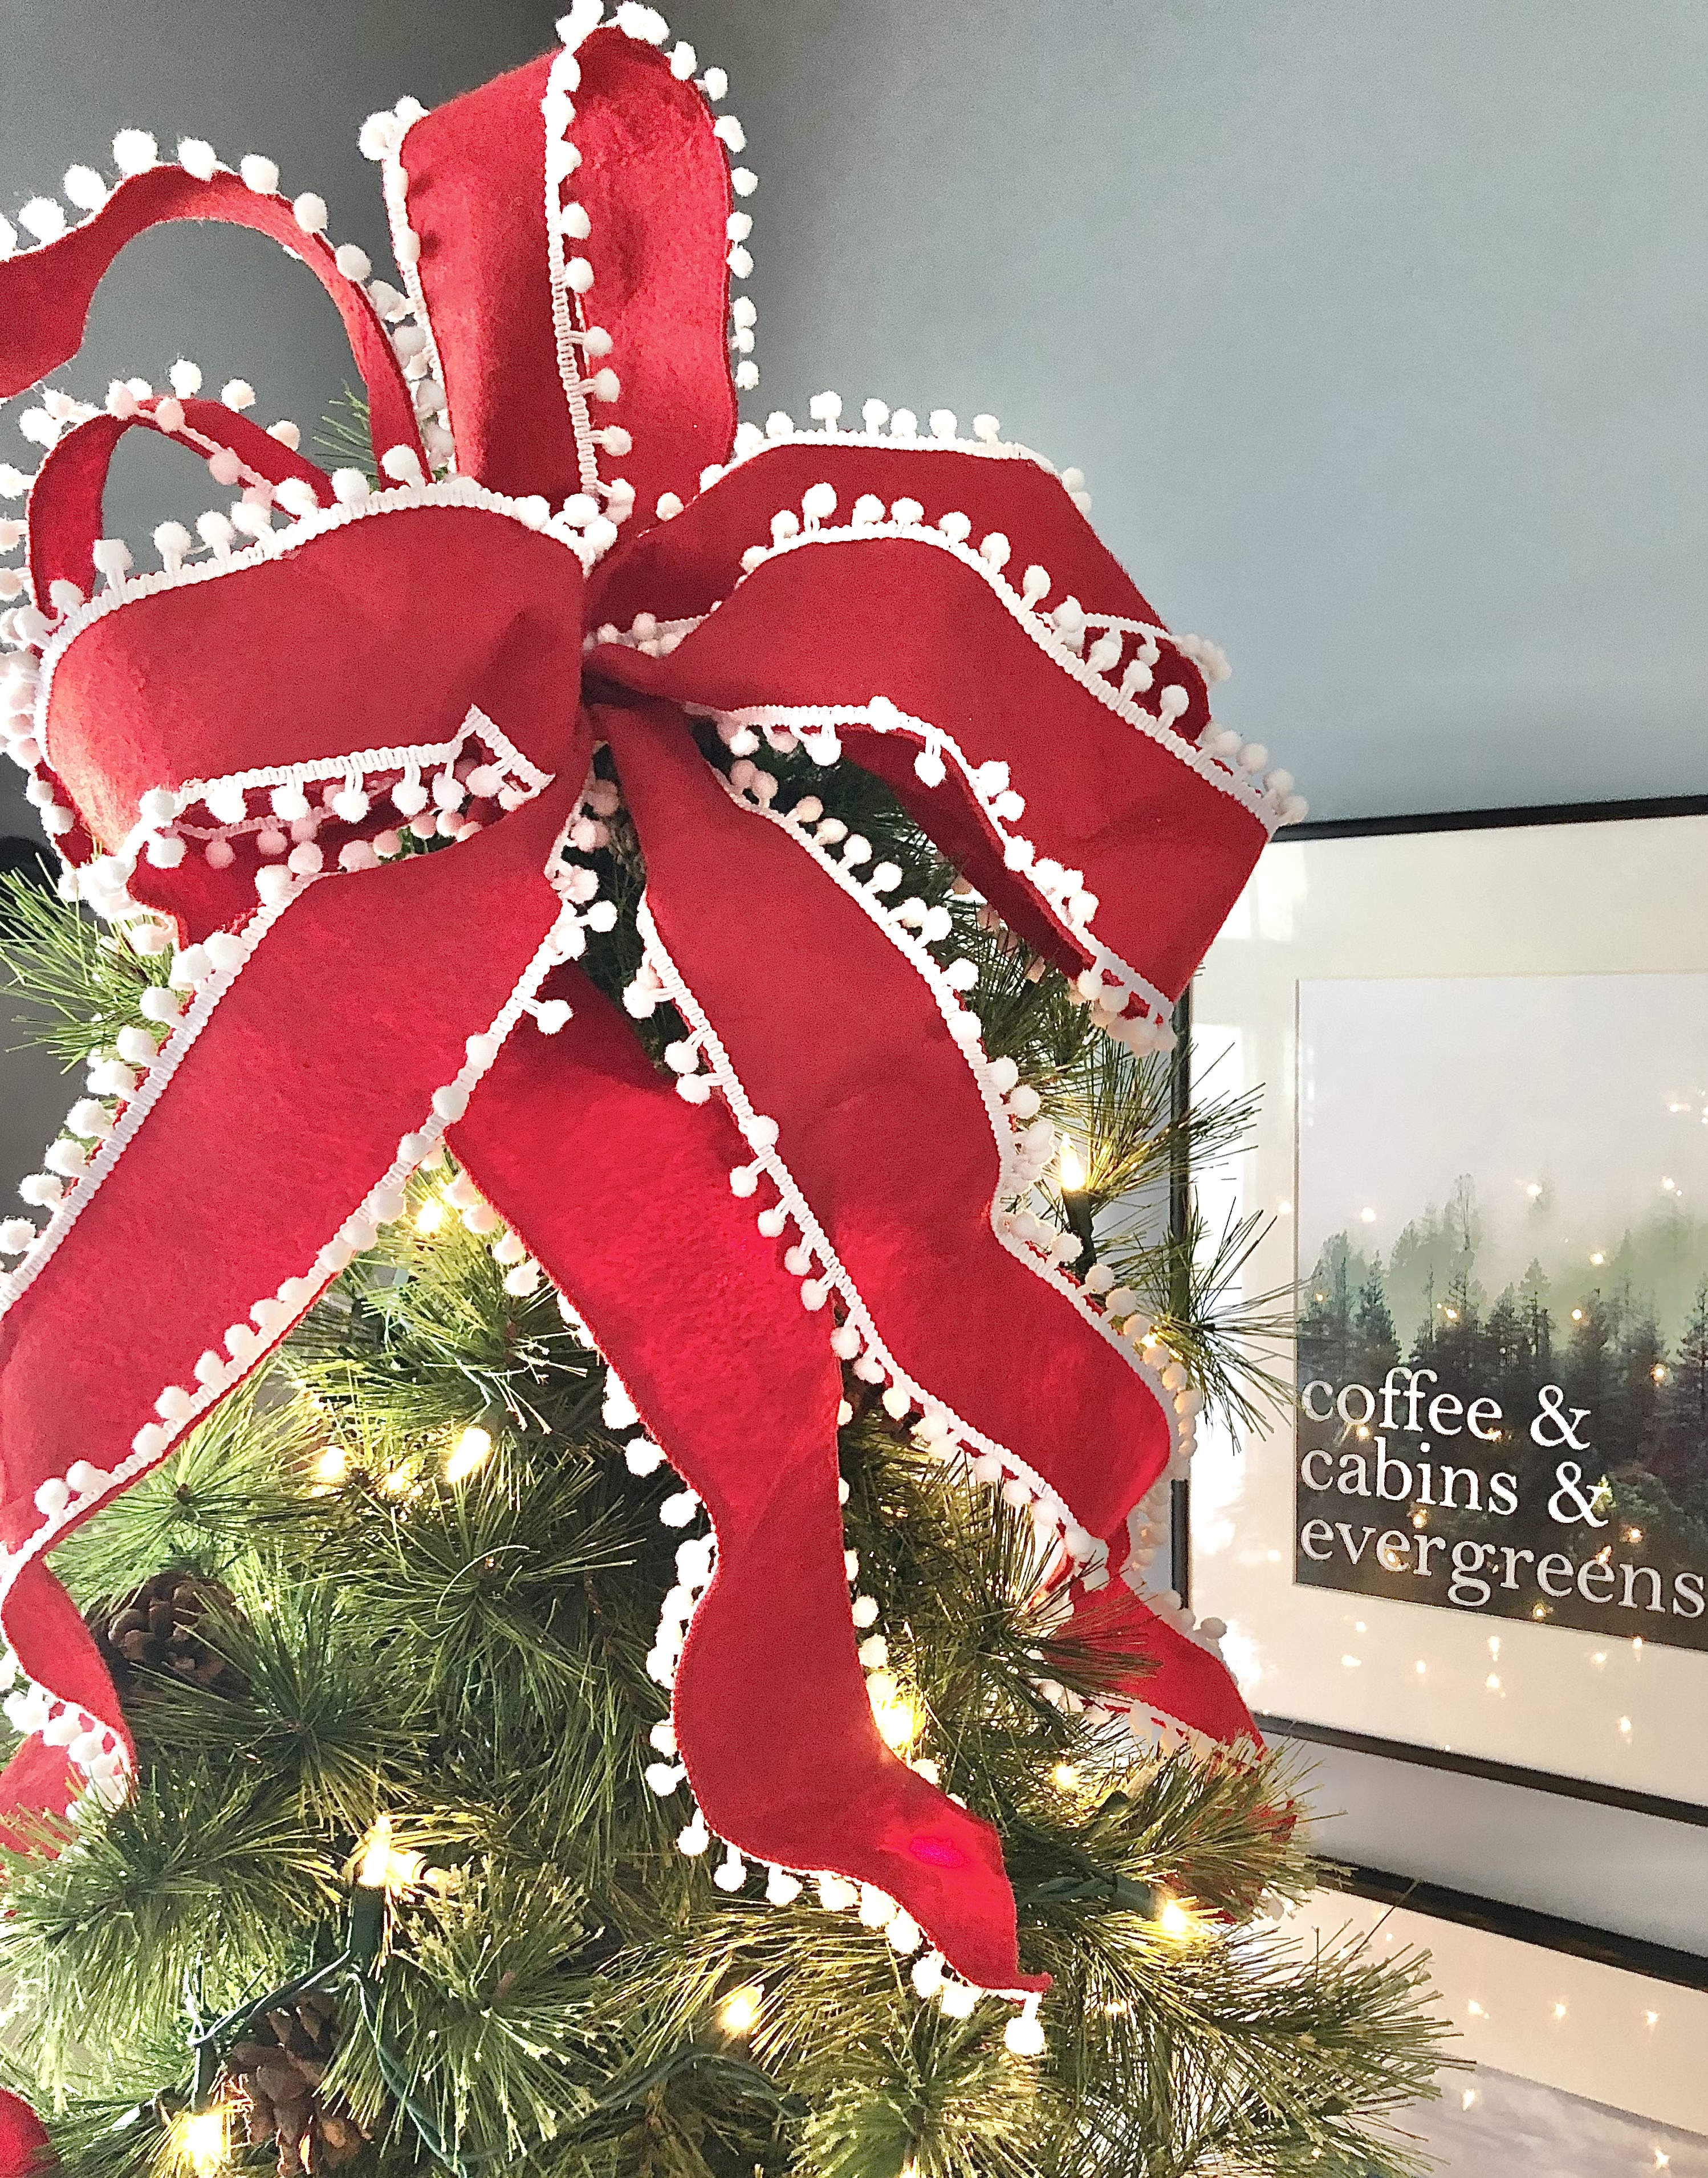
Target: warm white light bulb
{"points": [[376, 1855], [739, 2012], [201, 2136], [1174, 1920], [472, 1450]]}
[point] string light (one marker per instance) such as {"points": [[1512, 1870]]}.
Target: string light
{"points": [[897, 1717], [1073, 1170], [739, 2012], [376, 1851], [200, 2138], [383, 1868], [472, 1450], [1178, 1922]]}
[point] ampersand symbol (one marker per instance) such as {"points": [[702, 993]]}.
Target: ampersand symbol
{"points": [[1553, 1410], [1570, 1476]]}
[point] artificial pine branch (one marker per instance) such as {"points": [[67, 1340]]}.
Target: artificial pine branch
{"points": [[78, 982], [469, 1658]]}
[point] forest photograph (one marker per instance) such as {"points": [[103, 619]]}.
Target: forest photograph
{"points": [[1503, 1331]]}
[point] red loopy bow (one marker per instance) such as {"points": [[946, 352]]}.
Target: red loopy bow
{"points": [[572, 546]]}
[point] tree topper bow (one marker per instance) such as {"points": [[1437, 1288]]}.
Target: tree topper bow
{"points": [[231, 743]]}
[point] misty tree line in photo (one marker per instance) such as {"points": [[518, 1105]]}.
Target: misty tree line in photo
{"points": [[1601, 1331]]}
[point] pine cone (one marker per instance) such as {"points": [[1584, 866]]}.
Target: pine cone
{"points": [[157, 1628], [279, 2066]]}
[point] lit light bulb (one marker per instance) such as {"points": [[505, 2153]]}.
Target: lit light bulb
{"points": [[739, 2012], [202, 2141], [472, 1450], [1073, 1170], [430, 1216], [332, 1465], [897, 1720], [383, 1868], [1176, 1922], [376, 1851]]}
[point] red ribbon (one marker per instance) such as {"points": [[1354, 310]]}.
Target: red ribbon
{"points": [[835, 1158]]}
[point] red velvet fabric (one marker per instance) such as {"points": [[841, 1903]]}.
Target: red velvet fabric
{"points": [[841, 621], [653, 182], [898, 1159], [65, 500], [26, 2150], [364, 636], [45, 293], [281, 1116], [738, 1382], [379, 633], [1183, 1679], [693, 565]]}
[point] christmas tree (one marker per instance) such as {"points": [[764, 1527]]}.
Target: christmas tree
{"points": [[385, 1628], [653, 954]]}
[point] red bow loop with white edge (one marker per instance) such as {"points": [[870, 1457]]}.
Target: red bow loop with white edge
{"points": [[244, 753]]}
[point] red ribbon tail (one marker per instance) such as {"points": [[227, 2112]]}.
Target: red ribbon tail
{"points": [[641, 1231]]}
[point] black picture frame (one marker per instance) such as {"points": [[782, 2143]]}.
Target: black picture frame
{"points": [[1657, 1806]]}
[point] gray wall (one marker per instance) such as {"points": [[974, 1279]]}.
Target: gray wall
{"points": [[1380, 331]]}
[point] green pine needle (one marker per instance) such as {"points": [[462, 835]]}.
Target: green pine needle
{"points": [[467, 1657]]}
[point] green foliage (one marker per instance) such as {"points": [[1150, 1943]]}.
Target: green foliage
{"points": [[346, 436], [467, 1656], [81, 982]]}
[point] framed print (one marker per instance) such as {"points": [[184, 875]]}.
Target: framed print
{"points": [[1482, 1529]]}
